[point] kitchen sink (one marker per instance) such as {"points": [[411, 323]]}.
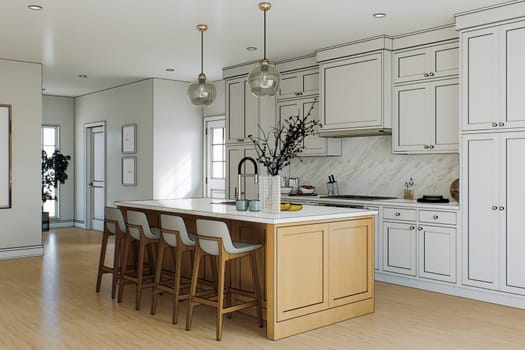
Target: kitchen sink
{"points": [[359, 197], [224, 202]]}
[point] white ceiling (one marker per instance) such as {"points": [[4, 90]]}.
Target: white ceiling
{"points": [[120, 41]]}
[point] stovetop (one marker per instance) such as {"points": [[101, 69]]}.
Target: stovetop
{"points": [[358, 197]]}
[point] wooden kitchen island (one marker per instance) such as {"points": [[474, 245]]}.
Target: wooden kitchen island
{"points": [[316, 267]]}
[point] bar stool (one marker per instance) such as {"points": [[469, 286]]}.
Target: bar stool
{"points": [[176, 238], [139, 230], [214, 239], [114, 225]]}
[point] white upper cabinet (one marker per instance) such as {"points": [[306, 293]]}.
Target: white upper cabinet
{"points": [[242, 111], [494, 77], [426, 63], [299, 84], [354, 94]]}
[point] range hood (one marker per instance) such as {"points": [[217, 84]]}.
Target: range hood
{"points": [[355, 132]]}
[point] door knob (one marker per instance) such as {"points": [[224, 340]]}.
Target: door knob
{"points": [[502, 208], [91, 184], [426, 75], [501, 124], [426, 147], [494, 207], [431, 146], [494, 125], [398, 214], [412, 227], [420, 228], [431, 74], [435, 217]]}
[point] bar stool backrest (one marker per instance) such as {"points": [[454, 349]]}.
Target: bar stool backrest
{"points": [[175, 223], [217, 229], [139, 218], [114, 214]]}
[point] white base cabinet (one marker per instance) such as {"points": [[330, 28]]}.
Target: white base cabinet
{"points": [[400, 248]]}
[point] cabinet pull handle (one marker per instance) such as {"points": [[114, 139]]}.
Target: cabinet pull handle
{"points": [[426, 146], [502, 208], [431, 74], [420, 228], [431, 146], [494, 125], [501, 124], [426, 75], [412, 227], [435, 217], [398, 214], [494, 207]]}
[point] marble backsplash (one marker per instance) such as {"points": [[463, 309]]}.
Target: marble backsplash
{"points": [[367, 166]]}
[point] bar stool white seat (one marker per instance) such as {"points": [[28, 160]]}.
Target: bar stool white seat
{"points": [[176, 238], [213, 238], [139, 230]]}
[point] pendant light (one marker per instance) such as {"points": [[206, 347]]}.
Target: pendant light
{"points": [[264, 79], [202, 93]]}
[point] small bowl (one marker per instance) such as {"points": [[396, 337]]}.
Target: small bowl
{"points": [[286, 190], [307, 190]]}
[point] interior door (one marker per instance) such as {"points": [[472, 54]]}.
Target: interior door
{"points": [[96, 177], [215, 177]]}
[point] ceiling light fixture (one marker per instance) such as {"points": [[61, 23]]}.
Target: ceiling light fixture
{"points": [[264, 79], [35, 7], [379, 15], [82, 76], [202, 93], [170, 70], [251, 48]]}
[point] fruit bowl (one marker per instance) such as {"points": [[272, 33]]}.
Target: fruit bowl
{"points": [[307, 189], [286, 190]]}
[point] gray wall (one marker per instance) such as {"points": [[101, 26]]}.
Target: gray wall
{"points": [[177, 142], [20, 226], [367, 166], [61, 111], [129, 104]]}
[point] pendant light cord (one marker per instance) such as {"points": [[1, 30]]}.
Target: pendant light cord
{"points": [[264, 35], [202, 52]]}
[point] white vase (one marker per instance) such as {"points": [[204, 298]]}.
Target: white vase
{"points": [[270, 193]]}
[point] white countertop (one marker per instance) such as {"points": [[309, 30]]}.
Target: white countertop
{"points": [[384, 202], [213, 208]]}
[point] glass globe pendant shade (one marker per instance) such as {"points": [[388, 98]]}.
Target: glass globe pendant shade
{"points": [[264, 79], [202, 93]]}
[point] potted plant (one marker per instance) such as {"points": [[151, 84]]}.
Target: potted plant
{"points": [[53, 172]]}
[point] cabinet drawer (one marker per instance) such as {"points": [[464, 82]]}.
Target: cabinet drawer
{"points": [[399, 214], [437, 217]]}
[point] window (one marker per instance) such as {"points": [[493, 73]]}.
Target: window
{"points": [[50, 144], [215, 177]]}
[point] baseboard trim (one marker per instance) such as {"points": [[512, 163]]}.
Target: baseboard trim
{"points": [[489, 296], [22, 252], [79, 224], [61, 224]]}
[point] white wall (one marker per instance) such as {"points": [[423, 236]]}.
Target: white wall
{"points": [[177, 142], [20, 226], [61, 111], [367, 166], [128, 104]]}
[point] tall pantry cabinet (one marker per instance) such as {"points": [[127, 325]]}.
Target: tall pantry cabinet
{"points": [[493, 156]]}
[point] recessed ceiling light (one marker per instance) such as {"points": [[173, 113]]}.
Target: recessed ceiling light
{"points": [[170, 70], [35, 7], [251, 48], [379, 15], [82, 76]]}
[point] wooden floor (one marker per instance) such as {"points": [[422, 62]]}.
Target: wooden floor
{"points": [[50, 303]]}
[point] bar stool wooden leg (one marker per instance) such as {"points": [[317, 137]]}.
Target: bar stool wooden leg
{"points": [[194, 279], [228, 273], [220, 297], [102, 258], [178, 272], [127, 243], [140, 273], [255, 277], [158, 275], [116, 265]]}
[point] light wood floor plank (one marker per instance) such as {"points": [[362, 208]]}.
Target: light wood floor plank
{"points": [[50, 303]]}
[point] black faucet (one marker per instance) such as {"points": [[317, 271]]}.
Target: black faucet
{"points": [[240, 175]]}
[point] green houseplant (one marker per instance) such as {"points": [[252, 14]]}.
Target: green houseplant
{"points": [[53, 173]]}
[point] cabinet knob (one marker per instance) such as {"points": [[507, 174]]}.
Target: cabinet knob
{"points": [[435, 217], [494, 207], [426, 146], [412, 228], [398, 214], [240, 140], [426, 75], [501, 124], [502, 208], [431, 74], [431, 146], [494, 125], [420, 228]]}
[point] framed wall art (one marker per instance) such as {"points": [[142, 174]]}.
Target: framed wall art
{"points": [[129, 171], [129, 138], [5, 156]]}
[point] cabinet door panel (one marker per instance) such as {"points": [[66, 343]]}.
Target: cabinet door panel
{"points": [[411, 117], [302, 285], [481, 222], [437, 253], [411, 65], [512, 216], [445, 60], [313, 144], [350, 250], [289, 85], [513, 70], [399, 241], [352, 94], [445, 104], [481, 84], [310, 82], [235, 110], [251, 112], [234, 155]]}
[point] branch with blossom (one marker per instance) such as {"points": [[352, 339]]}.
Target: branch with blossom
{"points": [[279, 146]]}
